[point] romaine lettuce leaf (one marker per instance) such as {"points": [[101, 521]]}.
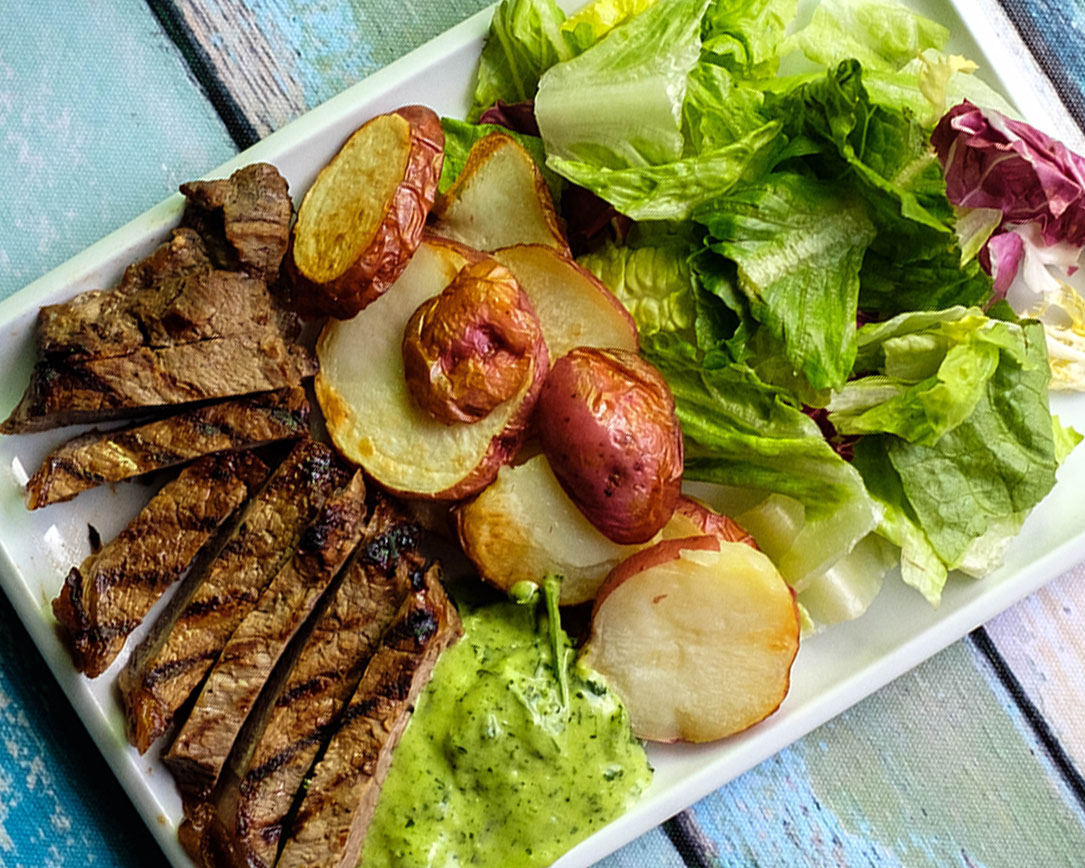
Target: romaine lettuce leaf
{"points": [[745, 35], [524, 41], [671, 191], [740, 432], [718, 110], [959, 443], [653, 282], [798, 244], [597, 19], [882, 36], [931, 377], [619, 104]]}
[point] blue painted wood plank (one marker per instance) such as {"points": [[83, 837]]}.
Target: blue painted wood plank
{"points": [[99, 120], [935, 771], [279, 58]]}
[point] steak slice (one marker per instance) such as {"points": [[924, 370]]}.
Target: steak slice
{"points": [[100, 390], [264, 777], [174, 330], [203, 744], [244, 219], [167, 667], [106, 597], [96, 458], [338, 804]]}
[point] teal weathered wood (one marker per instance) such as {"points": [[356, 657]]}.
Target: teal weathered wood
{"points": [[936, 770], [99, 120], [279, 58]]}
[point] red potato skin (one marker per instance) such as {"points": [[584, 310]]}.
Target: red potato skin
{"points": [[503, 448], [653, 556], [396, 239], [606, 423], [472, 347], [710, 522]]}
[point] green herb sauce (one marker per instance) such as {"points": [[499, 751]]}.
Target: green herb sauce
{"points": [[505, 763]]}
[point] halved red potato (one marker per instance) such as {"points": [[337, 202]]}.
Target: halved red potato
{"points": [[363, 217], [574, 308], [370, 413], [697, 636], [523, 527], [499, 199], [606, 422]]}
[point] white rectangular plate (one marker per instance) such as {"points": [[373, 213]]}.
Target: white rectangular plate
{"points": [[834, 670]]}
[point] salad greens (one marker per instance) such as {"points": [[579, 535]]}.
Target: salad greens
{"points": [[820, 307]]}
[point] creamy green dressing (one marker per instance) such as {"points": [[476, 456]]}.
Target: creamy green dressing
{"points": [[496, 768]]}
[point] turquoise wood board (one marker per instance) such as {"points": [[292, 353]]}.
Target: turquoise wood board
{"points": [[101, 119]]}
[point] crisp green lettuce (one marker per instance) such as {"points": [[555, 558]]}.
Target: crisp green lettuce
{"points": [[671, 191], [746, 35], [524, 41], [619, 104], [959, 443], [881, 36], [718, 110], [653, 282], [933, 374], [740, 432], [798, 244], [598, 18]]}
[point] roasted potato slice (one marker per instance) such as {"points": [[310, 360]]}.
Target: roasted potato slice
{"points": [[376, 422], [697, 636], [573, 306], [523, 527], [606, 423], [362, 219], [499, 199]]}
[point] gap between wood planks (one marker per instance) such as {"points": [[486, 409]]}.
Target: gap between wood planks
{"points": [[199, 63], [685, 834]]}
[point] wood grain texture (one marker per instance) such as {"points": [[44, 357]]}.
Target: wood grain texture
{"points": [[279, 58], [936, 770], [98, 122], [1042, 640]]}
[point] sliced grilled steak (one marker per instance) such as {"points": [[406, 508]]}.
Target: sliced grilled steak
{"points": [[101, 390], [106, 597], [338, 804], [202, 745], [96, 458], [245, 219], [175, 330], [260, 786], [168, 666]]}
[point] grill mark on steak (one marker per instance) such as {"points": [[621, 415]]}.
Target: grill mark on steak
{"points": [[264, 776], [337, 807], [174, 330], [95, 458], [202, 746], [106, 597], [244, 219], [97, 390], [168, 666]]}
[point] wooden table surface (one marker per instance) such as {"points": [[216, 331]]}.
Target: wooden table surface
{"points": [[973, 759]]}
